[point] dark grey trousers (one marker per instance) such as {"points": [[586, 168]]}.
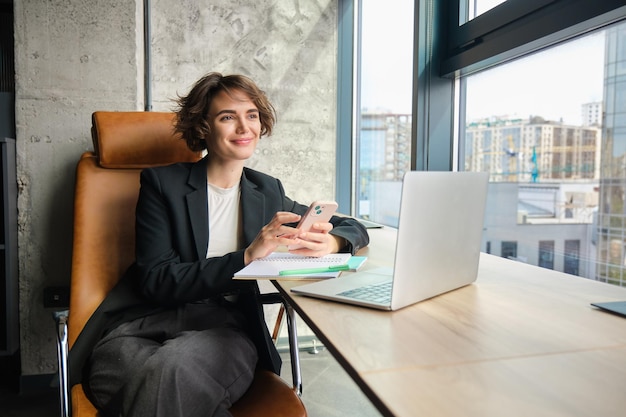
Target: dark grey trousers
{"points": [[192, 361]]}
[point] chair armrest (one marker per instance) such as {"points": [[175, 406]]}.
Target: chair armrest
{"points": [[60, 318], [294, 353]]}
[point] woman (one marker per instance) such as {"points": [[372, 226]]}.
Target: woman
{"points": [[195, 350]]}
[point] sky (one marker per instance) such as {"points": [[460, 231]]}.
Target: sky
{"points": [[552, 84], [387, 55]]}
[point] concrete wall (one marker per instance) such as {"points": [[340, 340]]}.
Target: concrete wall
{"points": [[73, 58]]}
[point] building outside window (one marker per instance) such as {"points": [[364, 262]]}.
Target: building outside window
{"points": [[546, 254], [571, 257], [612, 189], [509, 250]]}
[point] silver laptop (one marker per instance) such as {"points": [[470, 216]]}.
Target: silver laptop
{"points": [[437, 248]]}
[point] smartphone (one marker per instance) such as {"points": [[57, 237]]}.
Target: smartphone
{"points": [[318, 212]]}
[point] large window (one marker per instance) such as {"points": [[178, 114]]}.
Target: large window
{"points": [[535, 124], [550, 128], [384, 102], [531, 91]]}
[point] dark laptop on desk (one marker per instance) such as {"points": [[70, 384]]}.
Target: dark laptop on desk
{"points": [[437, 248]]}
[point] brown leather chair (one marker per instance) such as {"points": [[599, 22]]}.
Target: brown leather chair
{"points": [[107, 186]]}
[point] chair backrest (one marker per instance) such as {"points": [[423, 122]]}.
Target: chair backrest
{"points": [[106, 191]]}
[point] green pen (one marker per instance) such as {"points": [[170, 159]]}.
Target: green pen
{"points": [[305, 271]]}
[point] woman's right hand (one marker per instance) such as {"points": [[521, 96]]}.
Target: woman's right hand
{"points": [[271, 236]]}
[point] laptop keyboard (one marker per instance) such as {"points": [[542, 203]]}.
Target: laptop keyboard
{"points": [[378, 293]]}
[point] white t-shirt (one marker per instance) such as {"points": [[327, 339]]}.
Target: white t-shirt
{"points": [[224, 220]]}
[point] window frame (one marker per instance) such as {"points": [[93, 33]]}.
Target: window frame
{"points": [[518, 27], [345, 164]]}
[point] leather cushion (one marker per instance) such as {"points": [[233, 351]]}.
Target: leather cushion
{"points": [[104, 235], [138, 140], [268, 396], [81, 406]]}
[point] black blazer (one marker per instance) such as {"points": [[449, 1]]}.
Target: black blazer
{"points": [[172, 234]]}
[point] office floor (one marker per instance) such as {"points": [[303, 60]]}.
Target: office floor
{"points": [[328, 391]]}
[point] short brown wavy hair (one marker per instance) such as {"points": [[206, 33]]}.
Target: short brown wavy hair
{"points": [[193, 109]]}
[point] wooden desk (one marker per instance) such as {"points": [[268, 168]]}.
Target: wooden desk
{"points": [[521, 341]]}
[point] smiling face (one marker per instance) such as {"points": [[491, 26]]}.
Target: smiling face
{"points": [[235, 127]]}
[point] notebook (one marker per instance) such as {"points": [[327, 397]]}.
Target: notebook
{"points": [[437, 248], [299, 267]]}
